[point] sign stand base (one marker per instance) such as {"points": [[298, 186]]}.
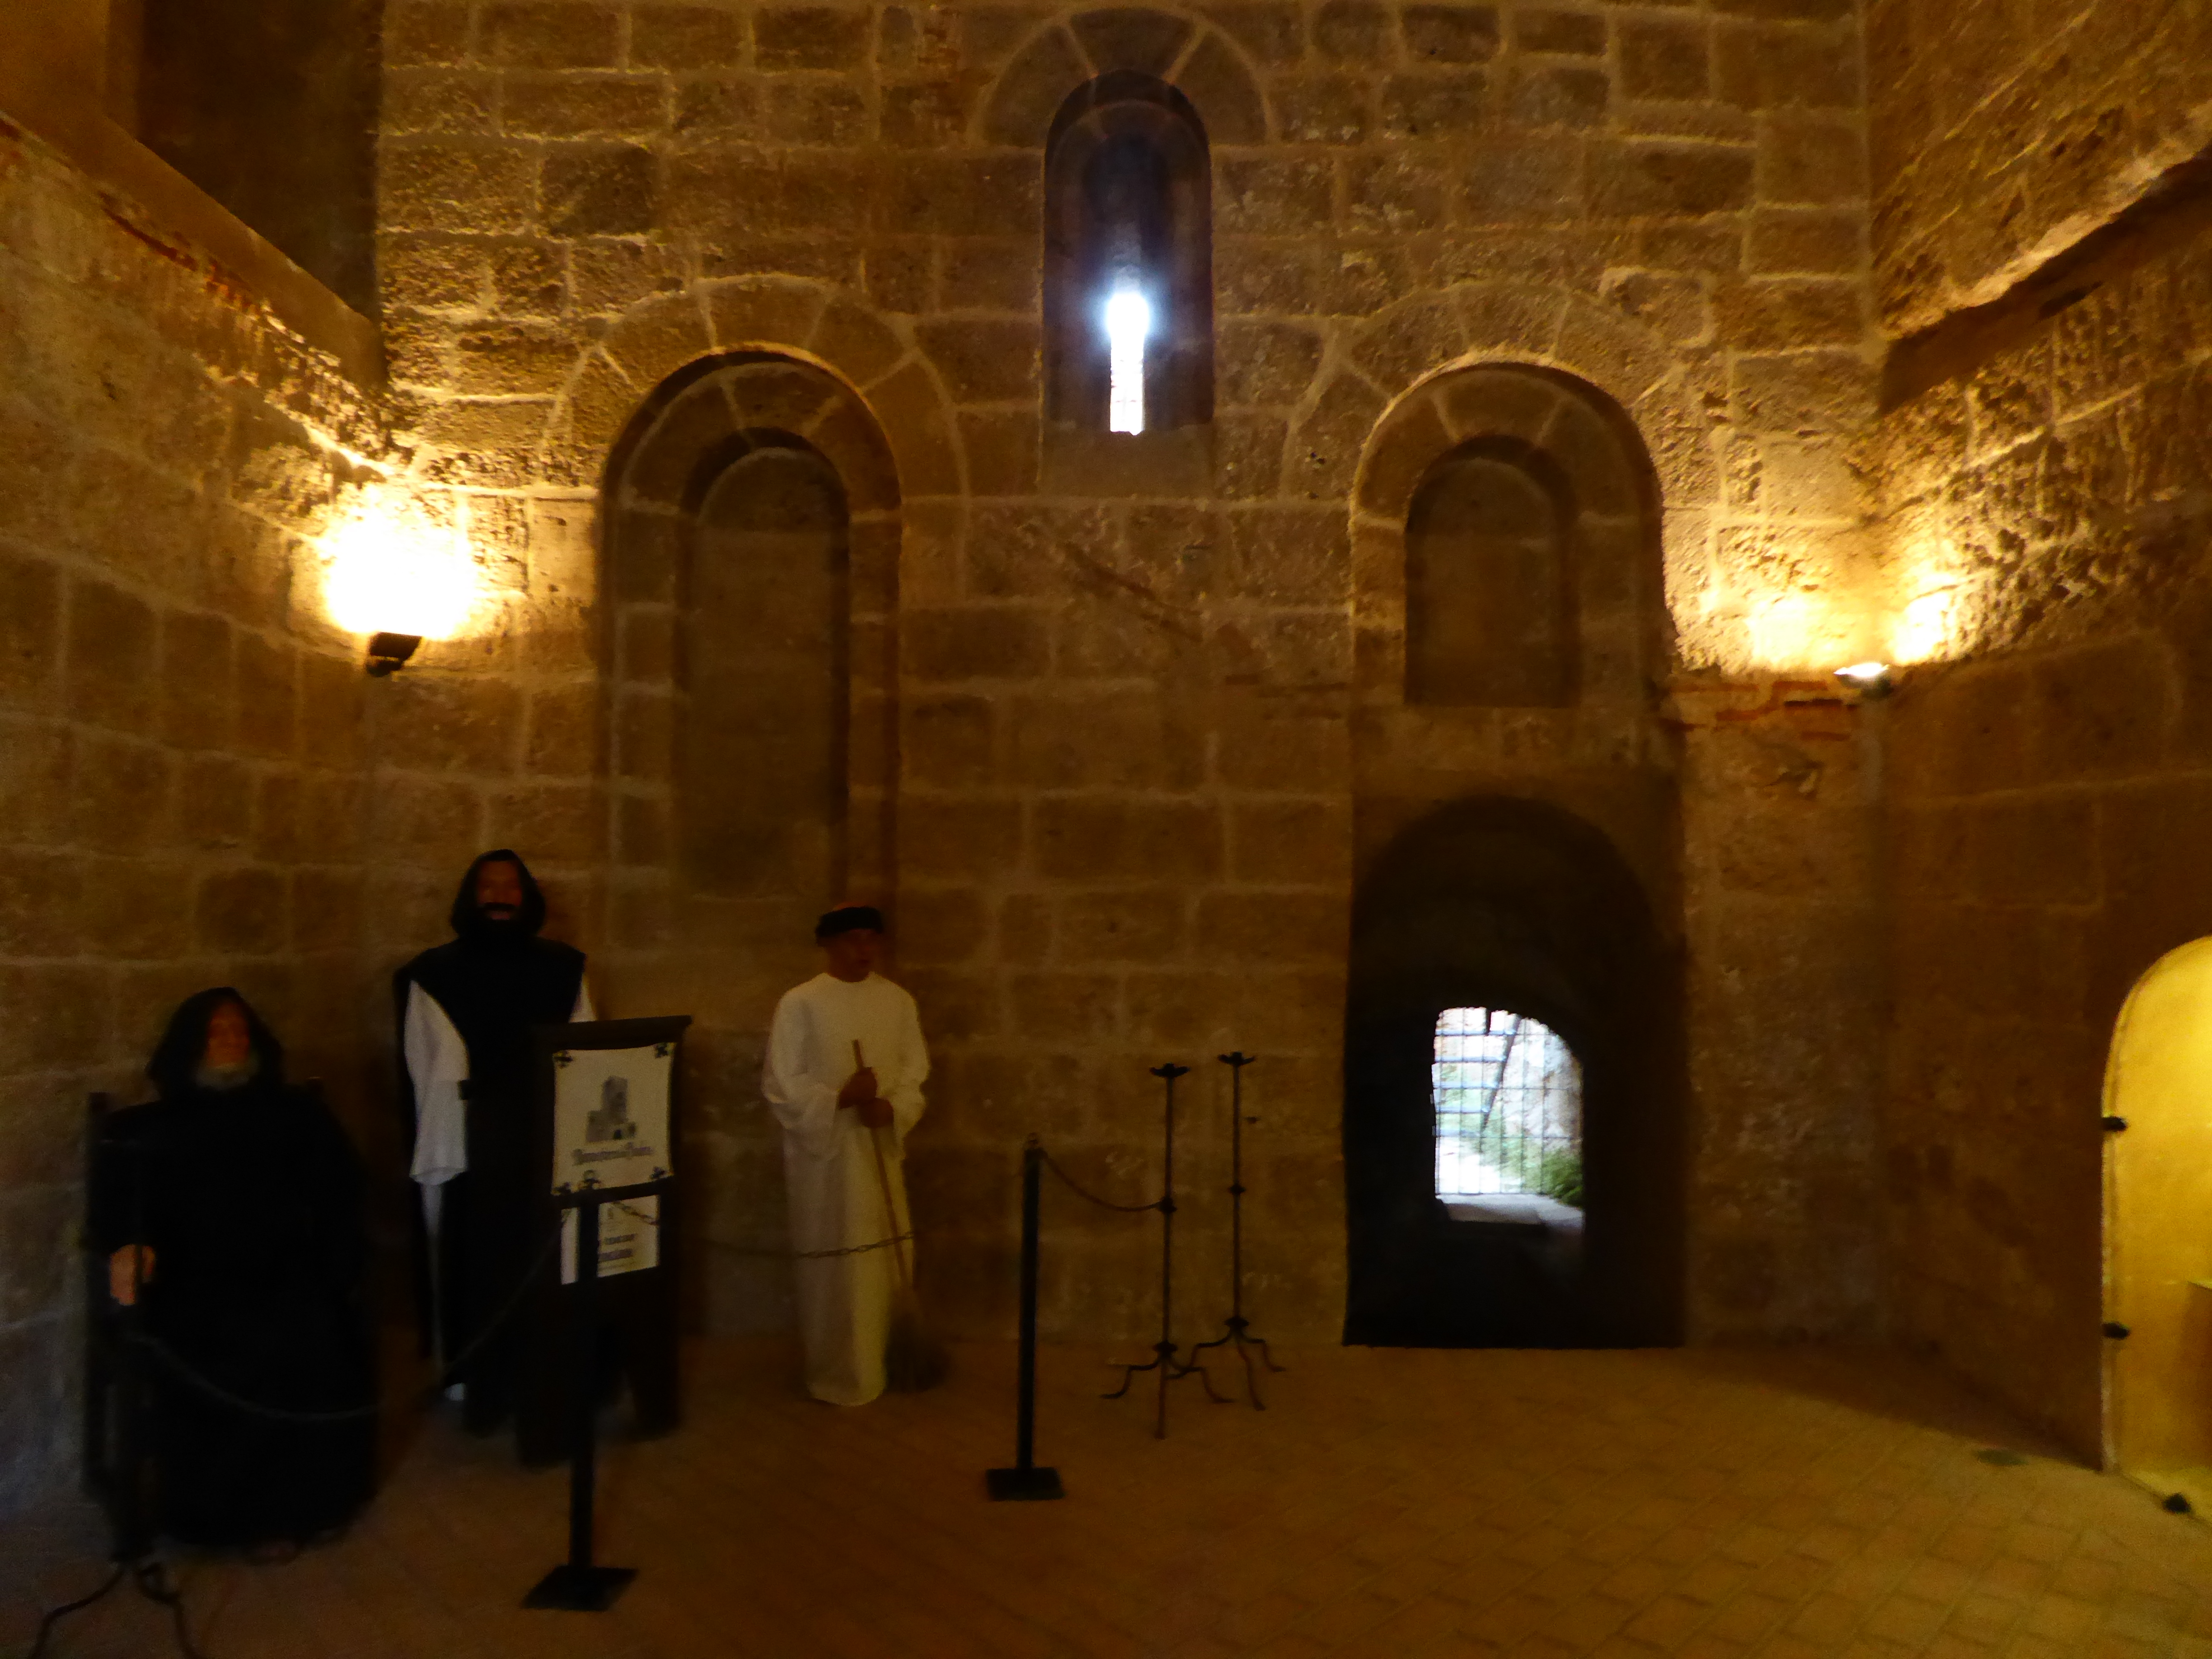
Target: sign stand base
{"points": [[1023, 1484], [571, 1588]]}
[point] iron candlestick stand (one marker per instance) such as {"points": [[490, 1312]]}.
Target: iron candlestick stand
{"points": [[1238, 1333], [1163, 1351]]}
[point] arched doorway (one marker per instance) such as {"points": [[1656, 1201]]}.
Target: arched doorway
{"points": [[2158, 1228], [1525, 914]]}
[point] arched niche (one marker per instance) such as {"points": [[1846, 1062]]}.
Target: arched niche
{"points": [[750, 534], [1128, 206], [1503, 903], [2158, 1249]]}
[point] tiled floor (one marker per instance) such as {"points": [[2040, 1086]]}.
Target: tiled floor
{"points": [[1388, 1502]]}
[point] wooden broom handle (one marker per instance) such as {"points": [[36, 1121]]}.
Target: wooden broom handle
{"points": [[883, 1182]]}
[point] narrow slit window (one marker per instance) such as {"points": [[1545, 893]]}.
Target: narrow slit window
{"points": [[1507, 1092], [1128, 323]]}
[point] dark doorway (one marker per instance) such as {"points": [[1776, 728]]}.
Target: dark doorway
{"points": [[1523, 910]]}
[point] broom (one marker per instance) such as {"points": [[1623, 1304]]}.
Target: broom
{"points": [[914, 1359]]}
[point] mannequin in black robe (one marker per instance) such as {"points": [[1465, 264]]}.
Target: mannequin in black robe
{"points": [[494, 981], [231, 1211]]}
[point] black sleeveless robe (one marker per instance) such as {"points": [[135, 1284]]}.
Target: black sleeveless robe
{"points": [[495, 983]]}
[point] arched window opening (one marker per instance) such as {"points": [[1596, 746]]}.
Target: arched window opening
{"points": [[1508, 1096], [1128, 261], [1490, 594]]}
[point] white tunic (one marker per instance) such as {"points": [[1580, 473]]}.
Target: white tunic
{"points": [[829, 1167], [438, 1064]]}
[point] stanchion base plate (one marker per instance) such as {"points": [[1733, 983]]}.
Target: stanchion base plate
{"points": [[1030, 1486], [569, 1588]]}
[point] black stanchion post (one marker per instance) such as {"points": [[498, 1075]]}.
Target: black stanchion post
{"points": [[1238, 1329], [577, 1585], [1025, 1481]]}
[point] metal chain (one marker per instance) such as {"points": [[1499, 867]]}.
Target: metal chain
{"points": [[1053, 1165], [199, 1380], [772, 1251]]}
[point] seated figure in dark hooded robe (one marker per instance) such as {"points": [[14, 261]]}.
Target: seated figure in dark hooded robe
{"points": [[466, 1009], [230, 1210]]}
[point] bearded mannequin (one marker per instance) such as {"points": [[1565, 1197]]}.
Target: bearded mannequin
{"points": [[466, 1009]]}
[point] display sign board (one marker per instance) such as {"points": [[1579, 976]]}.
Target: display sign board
{"points": [[612, 1128]]}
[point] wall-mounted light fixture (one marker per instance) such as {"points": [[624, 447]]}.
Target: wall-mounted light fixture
{"points": [[1868, 680], [395, 572], [388, 653]]}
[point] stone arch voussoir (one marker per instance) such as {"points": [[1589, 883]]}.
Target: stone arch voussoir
{"points": [[1187, 52], [811, 322]]}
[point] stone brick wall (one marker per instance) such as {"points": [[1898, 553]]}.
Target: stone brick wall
{"points": [[2001, 135], [2051, 794], [201, 785], [1123, 827]]}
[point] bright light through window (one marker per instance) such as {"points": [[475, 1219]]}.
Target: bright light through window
{"points": [[1508, 1111], [1128, 320]]}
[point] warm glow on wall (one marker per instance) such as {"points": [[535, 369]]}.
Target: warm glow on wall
{"points": [[1924, 629], [389, 567]]}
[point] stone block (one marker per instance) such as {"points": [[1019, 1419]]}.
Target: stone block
{"points": [[1639, 178], [1273, 929], [1217, 83], [578, 105], [982, 361], [1449, 33], [1788, 240], [1090, 840], [686, 37], [1290, 556], [550, 35], [1434, 106], [2098, 712], [1523, 180], [1271, 197], [442, 187], [1786, 314], [952, 839], [1102, 739], [1176, 1010], [812, 112], [1760, 66], [268, 697], [922, 116], [1811, 393], [243, 912], [809, 38], [30, 629], [1131, 37], [1810, 160], [1351, 31], [1323, 109], [1247, 457], [974, 642], [1291, 843], [1001, 446], [1144, 926], [433, 101], [55, 1018], [423, 32], [1664, 56], [1074, 1008], [644, 734], [1560, 96], [949, 742], [42, 904], [597, 190], [551, 823], [1395, 192]]}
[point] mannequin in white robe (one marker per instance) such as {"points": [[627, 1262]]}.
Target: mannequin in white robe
{"points": [[824, 1103]]}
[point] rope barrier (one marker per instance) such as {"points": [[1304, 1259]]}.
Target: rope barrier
{"points": [[1052, 1164], [186, 1372], [773, 1252]]}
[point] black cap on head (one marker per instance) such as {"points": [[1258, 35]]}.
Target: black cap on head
{"points": [[848, 919], [175, 1066]]}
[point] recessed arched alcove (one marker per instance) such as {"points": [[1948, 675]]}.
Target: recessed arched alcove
{"points": [[2158, 1252], [750, 546], [1512, 905]]}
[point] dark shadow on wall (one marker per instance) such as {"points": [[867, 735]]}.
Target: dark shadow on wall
{"points": [[270, 106], [1514, 905]]}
